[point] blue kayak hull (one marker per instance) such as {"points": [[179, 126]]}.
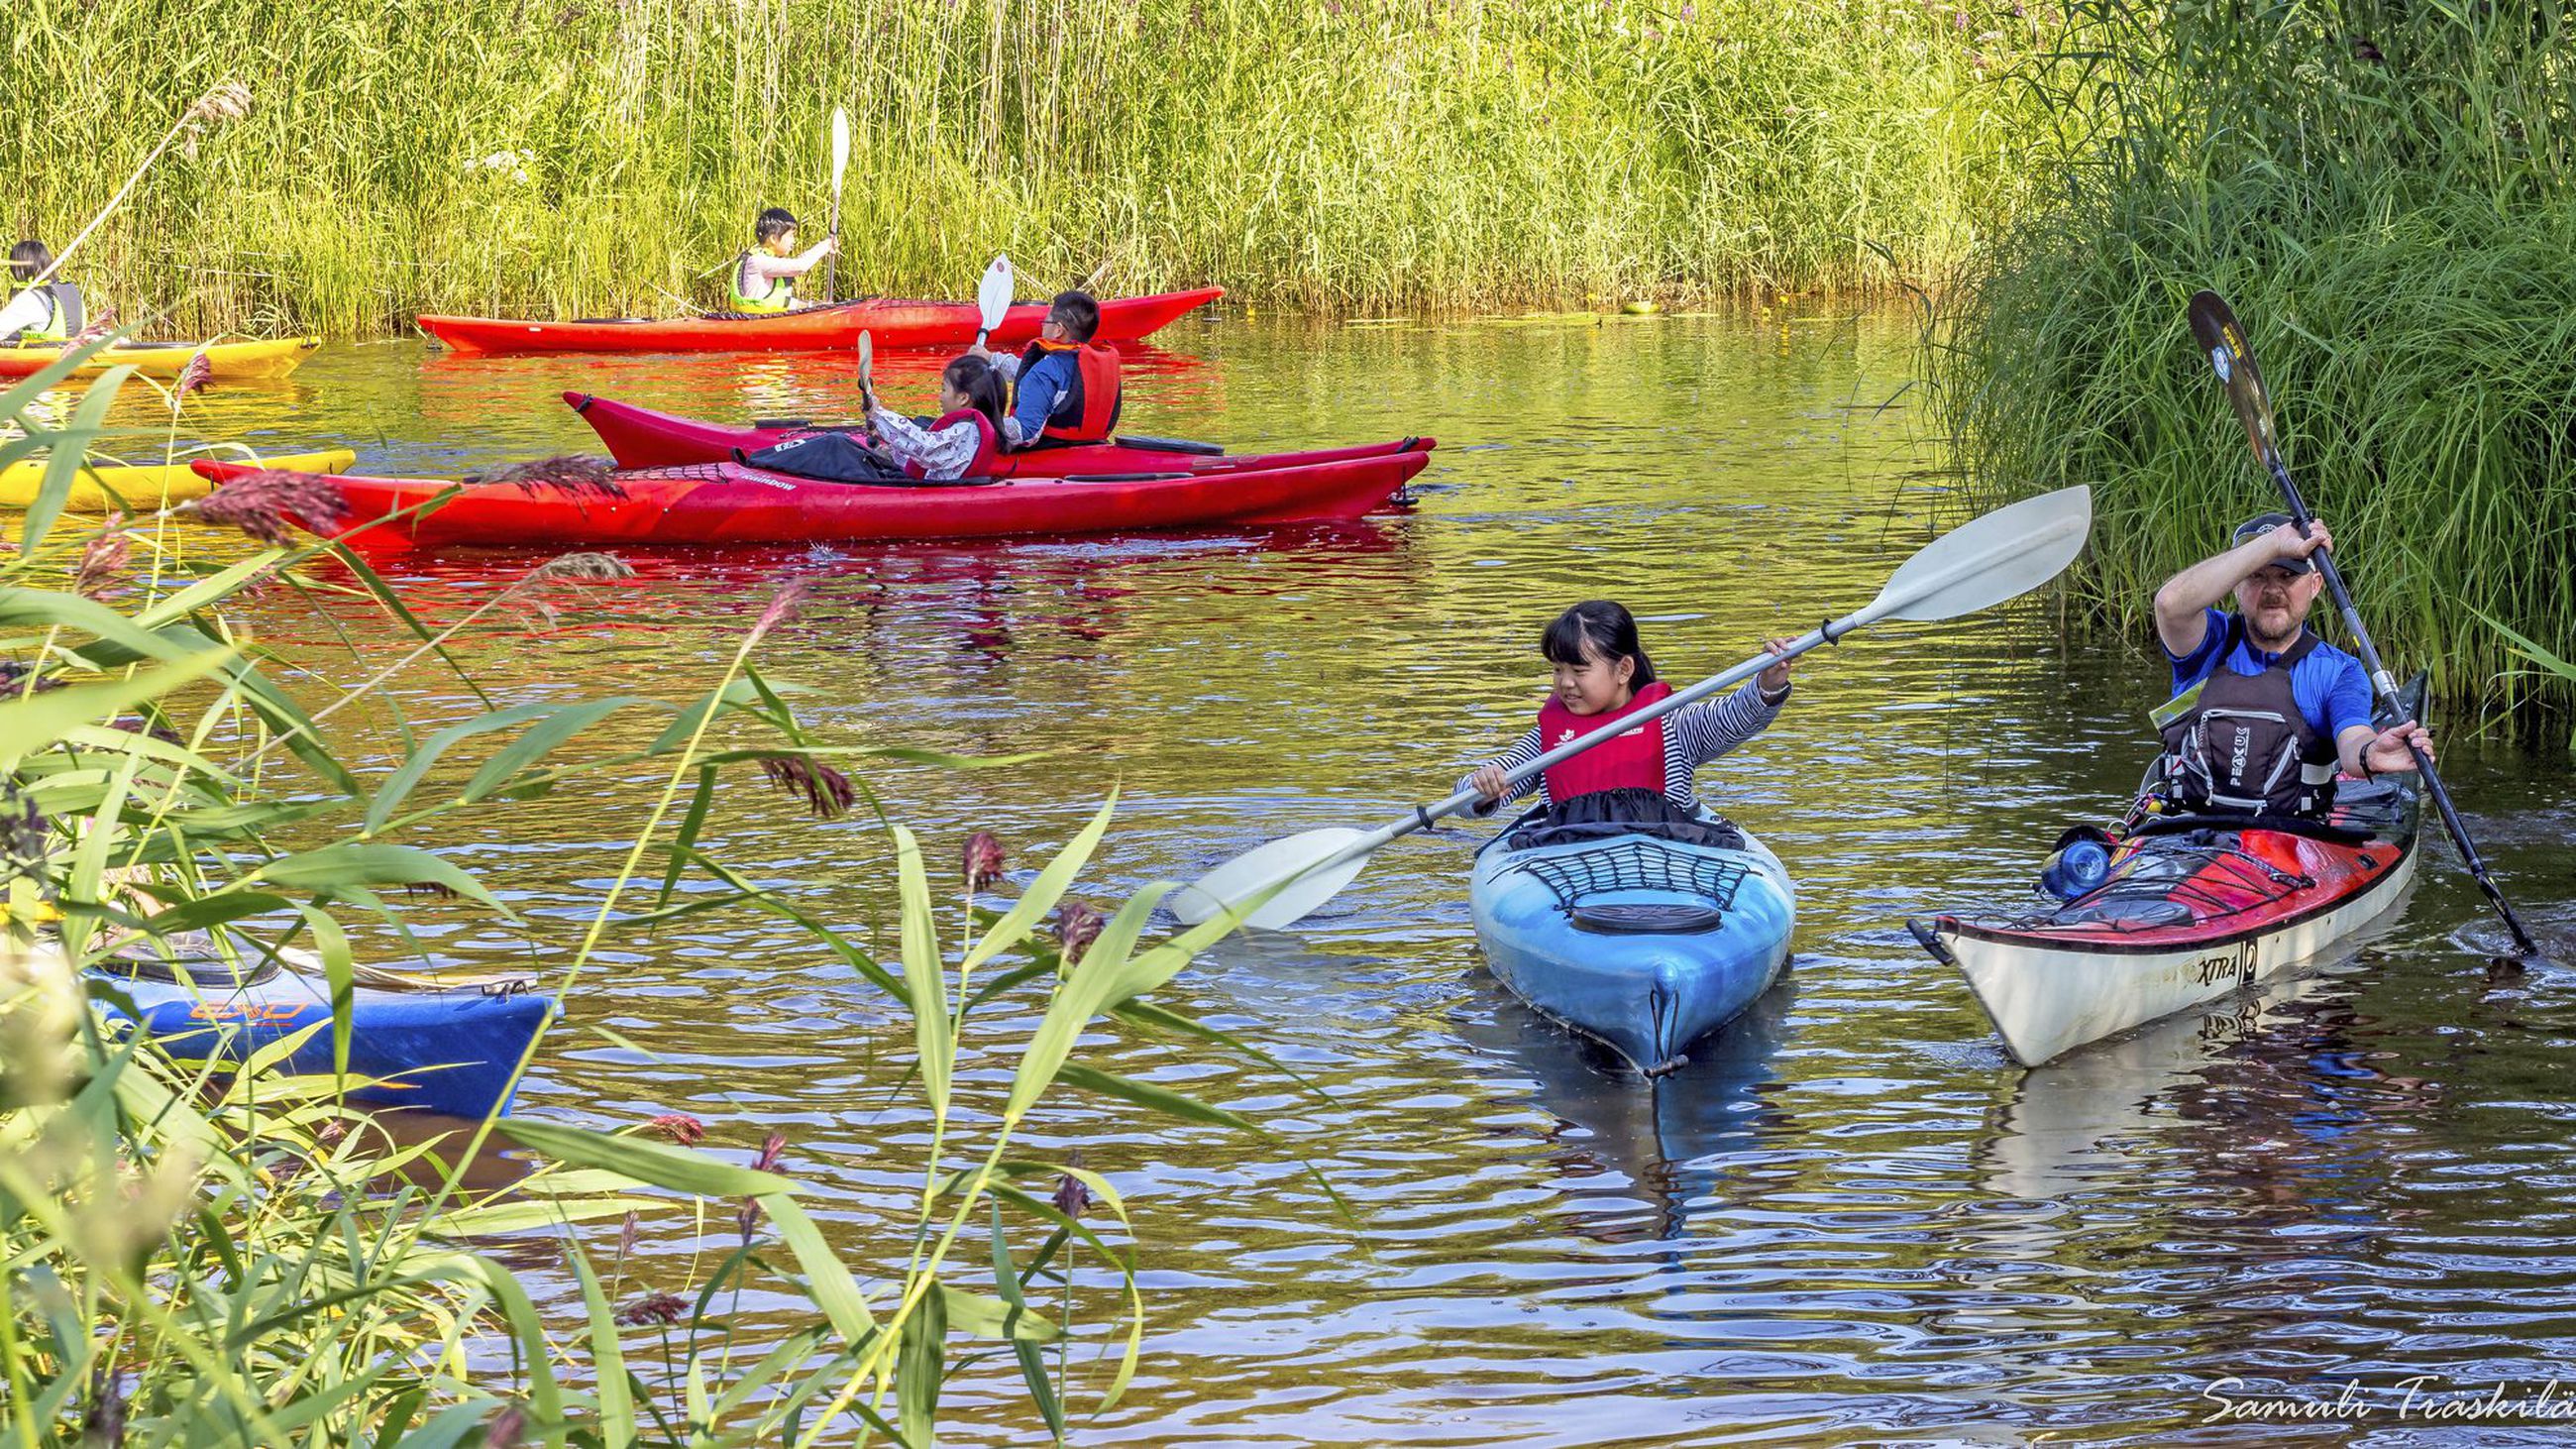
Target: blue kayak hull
{"points": [[452, 1052], [1646, 993]]}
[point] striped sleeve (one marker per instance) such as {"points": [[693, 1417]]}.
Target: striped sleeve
{"points": [[1703, 732], [1523, 750]]}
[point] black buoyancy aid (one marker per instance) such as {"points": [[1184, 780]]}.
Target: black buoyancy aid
{"points": [[988, 444], [69, 316], [1633, 760], [1087, 410], [2243, 747]]}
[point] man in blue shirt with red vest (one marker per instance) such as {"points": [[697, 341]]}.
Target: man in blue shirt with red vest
{"points": [[2263, 710]]}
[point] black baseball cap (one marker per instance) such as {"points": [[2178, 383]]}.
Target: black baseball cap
{"points": [[2264, 523]]}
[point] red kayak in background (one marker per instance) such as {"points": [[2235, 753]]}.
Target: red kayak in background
{"points": [[729, 503], [891, 323], [639, 437]]}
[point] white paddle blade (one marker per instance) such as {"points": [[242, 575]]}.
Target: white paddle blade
{"points": [[993, 295], [1985, 561], [867, 355], [840, 142], [1239, 881]]}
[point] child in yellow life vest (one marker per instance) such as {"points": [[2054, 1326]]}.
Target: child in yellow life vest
{"points": [[1068, 387], [53, 312], [764, 278]]}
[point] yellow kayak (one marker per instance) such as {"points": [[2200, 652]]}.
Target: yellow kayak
{"points": [[102, 486], [275, 357]]}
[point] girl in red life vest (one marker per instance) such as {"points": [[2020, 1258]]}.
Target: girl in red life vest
{"points": [[964, 441], [1601, 674]]}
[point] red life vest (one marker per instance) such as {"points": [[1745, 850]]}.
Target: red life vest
{"points": [[1632, 761], [1087, 410], [988, 445]]}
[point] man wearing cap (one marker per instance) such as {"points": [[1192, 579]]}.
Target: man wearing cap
{"points": [[2263, 710]]}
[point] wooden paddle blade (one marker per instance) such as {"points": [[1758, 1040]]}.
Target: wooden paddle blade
{"points": [[993, 295], [1288, 864], [867, 356], [1983, 562], [2222, 338]]}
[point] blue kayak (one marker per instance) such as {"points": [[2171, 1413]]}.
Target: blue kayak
{"points": [[450, 1051], [1645, 937]]}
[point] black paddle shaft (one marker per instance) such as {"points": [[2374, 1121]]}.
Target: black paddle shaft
{"points": [[2219, 332]]}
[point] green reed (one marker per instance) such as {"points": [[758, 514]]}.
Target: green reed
{"points": [[221, 1253], [2385, 194], [1328, 154]]}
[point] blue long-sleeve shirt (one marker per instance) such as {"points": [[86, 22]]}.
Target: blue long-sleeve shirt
{"points": [[1040, 388]]}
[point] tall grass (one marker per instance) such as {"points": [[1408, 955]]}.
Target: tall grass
{"points": [[212, 1252], [1328, 154], [2385, 193]]}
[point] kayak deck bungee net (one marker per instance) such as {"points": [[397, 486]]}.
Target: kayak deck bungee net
{"points": [[1644, 939], [2193, 907], [452, 1050], [889, 322], [230, 361], [143, 486], [640, 437], [732, 503]]}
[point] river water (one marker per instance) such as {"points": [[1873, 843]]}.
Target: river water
{"points": [[1851, 1218]]}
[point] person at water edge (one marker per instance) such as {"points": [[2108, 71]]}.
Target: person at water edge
{"points": [[1067, 385], [764, 278], [964, 441], [2264, 711], [1601, 674], [53, 312]]}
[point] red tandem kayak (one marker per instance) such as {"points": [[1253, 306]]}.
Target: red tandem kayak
{"points": [[728, 503], [639, 437], [2192, 908], [816, 329]]}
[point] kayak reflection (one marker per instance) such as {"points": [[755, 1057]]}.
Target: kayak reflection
{"points": [[1669, 1140], [2271, 1099]]}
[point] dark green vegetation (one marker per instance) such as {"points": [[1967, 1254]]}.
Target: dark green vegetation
{"points": [[2386, 194], [582, 158], [200, 1255]]}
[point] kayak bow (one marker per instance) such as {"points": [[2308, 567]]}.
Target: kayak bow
{"points": [[731, 503], [231, 361], [451, 1050], [102, 486], [1644, 941], [812, 329]]}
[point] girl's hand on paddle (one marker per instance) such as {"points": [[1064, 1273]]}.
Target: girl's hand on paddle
{"points": [[1489, 781], [2387, 754], [1776, 678]]}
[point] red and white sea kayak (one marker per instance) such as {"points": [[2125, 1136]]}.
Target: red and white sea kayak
{"points": [[729, 503], [640, 437], [889, 323], [2192, 909]]}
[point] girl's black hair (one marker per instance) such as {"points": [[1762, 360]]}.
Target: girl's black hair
{"points": [[28, 259], [982, 384], [1610, 631], [775, 222]]}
